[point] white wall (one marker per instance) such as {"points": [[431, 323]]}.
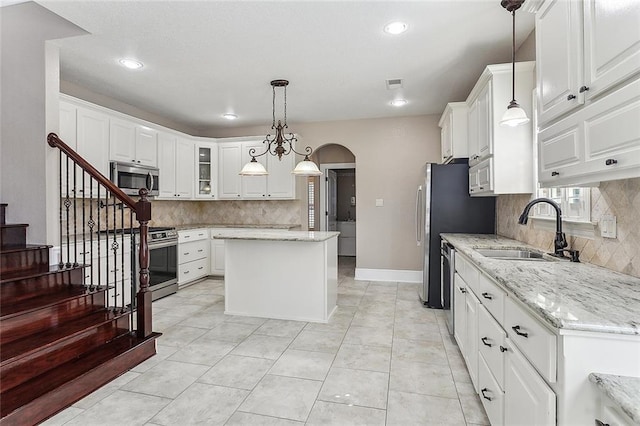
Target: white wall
{"points": [[29, 80]]}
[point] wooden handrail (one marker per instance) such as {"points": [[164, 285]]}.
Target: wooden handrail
{"points": [[142, 208], [56, 142]]}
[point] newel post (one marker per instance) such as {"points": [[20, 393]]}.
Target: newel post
{"points": [[143, 215]]}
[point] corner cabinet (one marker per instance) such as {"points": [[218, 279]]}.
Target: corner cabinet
{"points": [[500, 158], [588, 54], [206, 162], [453, 131]]}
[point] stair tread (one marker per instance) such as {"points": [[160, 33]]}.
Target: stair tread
{"points": [[9, 308], [13, 225], [73, 369], [21, 275], [29, 344], [26, 247]]}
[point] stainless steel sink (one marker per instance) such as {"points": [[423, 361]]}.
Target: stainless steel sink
{"points": [[513, 254]]}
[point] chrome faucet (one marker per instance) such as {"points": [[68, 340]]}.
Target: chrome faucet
{"points": [[560, 242]]}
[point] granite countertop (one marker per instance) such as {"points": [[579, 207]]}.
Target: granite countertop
{"points": [[571, 296], [217, 225], [623, 390], [272, 235]]}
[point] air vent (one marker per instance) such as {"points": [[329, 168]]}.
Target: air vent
{"points": [[394, 83]]}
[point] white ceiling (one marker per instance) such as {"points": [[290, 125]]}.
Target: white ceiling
{"points": [[205, 58]]}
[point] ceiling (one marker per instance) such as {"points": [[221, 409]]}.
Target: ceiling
{"points": [[206, 58]]}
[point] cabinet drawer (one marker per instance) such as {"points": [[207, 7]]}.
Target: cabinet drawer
{"points": [[491, 341], [468, 272], [491, 394], [188, 252], [193, 270], [536, 342], [492, 297], [192, 235]]}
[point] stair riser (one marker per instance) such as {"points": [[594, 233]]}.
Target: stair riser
{"points": [[21, 289], [26, 260], [47, 405], [13, 236], [19, 371], [33, 322]]}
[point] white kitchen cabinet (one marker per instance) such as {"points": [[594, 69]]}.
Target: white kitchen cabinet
{"points": [[501, 156], [281, 184], [599, 142], [93, 145], [491, 394], [453, 133], [230, 165], [254, 186], [471, 307], [206, 162], [528, 400], [68, 124], [132, 143], [610, 413], [175, 161], [460, 312], [193, 255], [217, 257]]}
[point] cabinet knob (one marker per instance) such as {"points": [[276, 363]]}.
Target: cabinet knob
{"points": [[516, 328], [471, 190], [611, 161], [462, 290], [555, 173], [483, 390], [269, 195], [584, 89], [482, 187], [571, 97]]}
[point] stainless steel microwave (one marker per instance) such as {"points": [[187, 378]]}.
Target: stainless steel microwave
{"points": [[130, 178]]}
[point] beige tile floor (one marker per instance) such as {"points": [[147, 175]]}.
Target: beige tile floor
{"points": [[383, 359]]}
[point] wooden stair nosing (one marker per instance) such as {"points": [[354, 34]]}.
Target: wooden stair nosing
{"points": [[13, 225], [6, 278], [59, 389], [47, 300], [27, 247], [29, 345], [23, 369]]}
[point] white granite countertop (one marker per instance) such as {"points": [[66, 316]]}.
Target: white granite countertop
{"points": [[272, 235], [623, 390], [247, 226], [572, 296]]}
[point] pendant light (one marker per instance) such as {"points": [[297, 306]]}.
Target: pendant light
{"points": [[514, 115], [280, 144]]}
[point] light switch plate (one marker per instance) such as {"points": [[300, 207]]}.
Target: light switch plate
{"points": [[608, 226], [379, 202]]}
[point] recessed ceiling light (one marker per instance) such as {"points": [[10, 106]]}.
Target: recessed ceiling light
{"points": [[230, 116], [398, 102], [132, 64], [395, 28]]}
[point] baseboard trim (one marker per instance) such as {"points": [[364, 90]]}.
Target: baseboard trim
{"points": [[394, 275]]}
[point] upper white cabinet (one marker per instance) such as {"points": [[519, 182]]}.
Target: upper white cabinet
{"points": [[453, 131], [583, 49], [175, 161], [206, 161], [254, 186], [230, 164], [93, 143], [280, 182], [500, 157], [132, 143]]}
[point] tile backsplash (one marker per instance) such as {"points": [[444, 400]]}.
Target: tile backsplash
{"points": [[619, 198], [232, 212]]}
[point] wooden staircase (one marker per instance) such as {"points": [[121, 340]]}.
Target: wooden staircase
{"points": [[58, 342]]}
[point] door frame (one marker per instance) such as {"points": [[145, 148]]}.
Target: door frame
{"points": [[323, 189]]}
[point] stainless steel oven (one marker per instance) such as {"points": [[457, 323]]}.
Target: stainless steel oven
{"points": [[130, 178], [163, 262], [447, 272]]}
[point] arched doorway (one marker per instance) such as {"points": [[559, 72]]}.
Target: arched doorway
{"points": [[333, 203]]}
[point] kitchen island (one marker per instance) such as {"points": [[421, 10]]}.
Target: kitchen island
{"points": [[272, 273]]}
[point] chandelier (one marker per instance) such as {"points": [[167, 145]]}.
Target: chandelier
{"points": [[514, 115], [280, 144]]}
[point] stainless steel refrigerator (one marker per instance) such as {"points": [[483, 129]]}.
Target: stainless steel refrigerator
{"points": [[444, 205]]}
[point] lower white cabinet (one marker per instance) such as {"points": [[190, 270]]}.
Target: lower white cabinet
{"points": [[528, 399], [193, 255], [491, 394], [459, 312], [217, 257], [471, 352], [609, 413]]}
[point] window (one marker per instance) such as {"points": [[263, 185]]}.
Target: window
{"points": [[311, 188], [575, 204]]}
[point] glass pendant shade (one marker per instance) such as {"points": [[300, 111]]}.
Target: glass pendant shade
{"points": [[253, 168], [514, 116], [306, 168]]}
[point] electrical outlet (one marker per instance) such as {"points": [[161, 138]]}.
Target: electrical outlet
{"points": [[608, 226]]}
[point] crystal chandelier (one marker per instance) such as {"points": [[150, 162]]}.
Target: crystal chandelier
{"points": [[280, 144]]}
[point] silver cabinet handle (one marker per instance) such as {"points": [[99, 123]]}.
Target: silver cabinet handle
{"points": [[418, 206]]}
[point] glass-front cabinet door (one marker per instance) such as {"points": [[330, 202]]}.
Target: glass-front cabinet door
{"points": [[206, 169]]}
